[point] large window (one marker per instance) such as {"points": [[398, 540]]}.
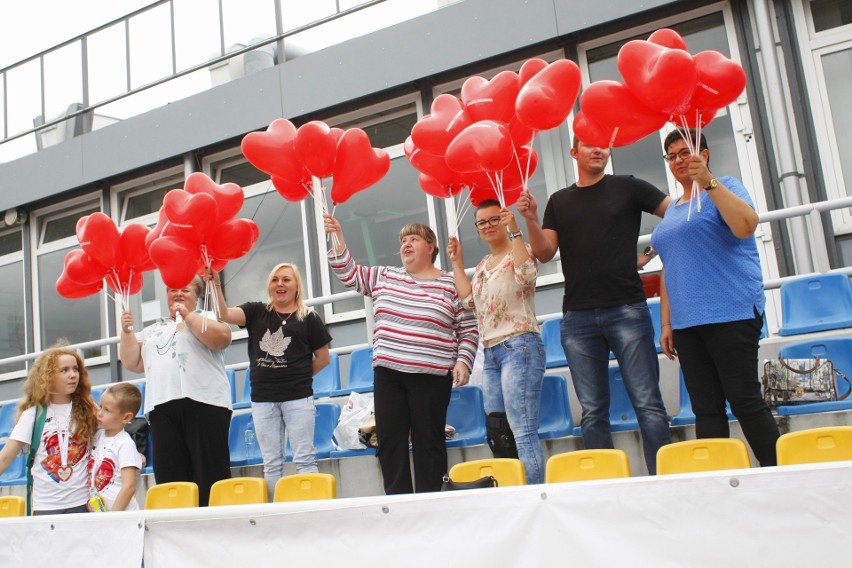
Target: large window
{"points": [[13, 324]]}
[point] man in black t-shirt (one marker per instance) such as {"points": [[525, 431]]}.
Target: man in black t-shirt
{"points": [[595, 224]]}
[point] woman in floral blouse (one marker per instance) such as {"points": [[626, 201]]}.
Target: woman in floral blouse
{"points": [[502, 294]]}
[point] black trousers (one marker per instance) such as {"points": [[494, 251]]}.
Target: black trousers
{"points": [[719, 363], [191, 444], [415, 403]]}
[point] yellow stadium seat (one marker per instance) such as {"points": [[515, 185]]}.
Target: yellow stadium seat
{"points": [[585, 465], [305, 487], [13, 506], [239, 491], [173, 495], [507, 471], [707, 454], [832, 443]]}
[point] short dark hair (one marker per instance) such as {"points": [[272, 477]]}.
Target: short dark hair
{"points": [[128, 398], [487, 203], [425, 232], [676, 135]]}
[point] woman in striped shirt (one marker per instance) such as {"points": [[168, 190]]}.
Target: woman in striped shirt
{"points": [[424, 342]]}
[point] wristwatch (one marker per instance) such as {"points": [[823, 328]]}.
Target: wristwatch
{"points": [[515, 234], [649, 252], [712, 185]]}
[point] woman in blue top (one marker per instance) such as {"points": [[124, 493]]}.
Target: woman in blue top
{"points": [[712, 299]]}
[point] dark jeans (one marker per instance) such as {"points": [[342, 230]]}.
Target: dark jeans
{"points": [[415, 403], [719, 363], [78, 509], [191, 444]]}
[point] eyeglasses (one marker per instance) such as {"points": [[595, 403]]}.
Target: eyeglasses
{"points": [[684, 154], [490, 222]]}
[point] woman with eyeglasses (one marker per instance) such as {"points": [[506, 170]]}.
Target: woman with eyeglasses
{"points": [[711, 296], [502, 294]]}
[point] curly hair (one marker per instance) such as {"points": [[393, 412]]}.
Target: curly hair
{"points": [[39, 384]]}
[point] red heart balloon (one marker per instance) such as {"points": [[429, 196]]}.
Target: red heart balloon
{"points": [[316, 146], [81, 268], [530, 68], [430, 164], [436, 188], [479, 194], [491, 100], [232, 239], [662, 78], [513, 177], [71, 290], [720, 81], [273, 151], [157, 230], [289, 190], [616, 111], [547, 99], [229, 197], [521, 135], [483, 146], [193, 212], [434, 132], [358, 165], [132, 247], [667, 38], [126, 281], [98, 236], [176, 259], [692, 118]]}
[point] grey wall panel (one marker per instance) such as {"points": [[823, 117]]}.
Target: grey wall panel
{"points": [[572, 15], [45, 173]]}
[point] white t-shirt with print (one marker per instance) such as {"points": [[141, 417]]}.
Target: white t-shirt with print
{"points": [[108, 457], [178, 365], [55, 486]]}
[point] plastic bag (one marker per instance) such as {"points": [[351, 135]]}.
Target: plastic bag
{"points": [[352, 415]]}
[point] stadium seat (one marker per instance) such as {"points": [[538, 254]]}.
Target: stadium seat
{"points": [[239, 491], [555, 419], [816, 445], [173, 495], [586, 465], [622, 416], [360, 372], [327, 415], [686, 416], [8, 413], [839, 351], [13, 506], [327, 380], [707, 454], [507, 471], [305, 487], [97, 392], [466, 413], [16, 473], [232, 382], [554, 355], [245, 400], [240, 455], [654, 308], [816, 303]]}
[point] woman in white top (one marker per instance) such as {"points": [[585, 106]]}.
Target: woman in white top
{"points": [[502, 294], [187, 394]]}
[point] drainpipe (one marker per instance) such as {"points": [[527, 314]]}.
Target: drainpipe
{"points": [[790, 184]]}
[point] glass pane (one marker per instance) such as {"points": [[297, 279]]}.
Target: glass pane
{"points": [[150, 46], [297, 13], [247, 20], [390, 132], [12, 320], [372, 219], [107, 63], [73, 320], [145, 203], [830, 14], [837, 68], [243, 175], [10, 242], [63, 80], [196, 32], [23, 96], [63, 227]]}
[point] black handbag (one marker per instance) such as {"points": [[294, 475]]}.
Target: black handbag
{"points": [[450, 485]]}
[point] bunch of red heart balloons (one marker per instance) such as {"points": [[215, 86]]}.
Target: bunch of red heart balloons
{"points": [[105, 254], [291, 156], [662, 82], [482, 139]]}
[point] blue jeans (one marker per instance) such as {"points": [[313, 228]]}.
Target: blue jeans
{"points": [[513, 374], [271, 419], [587, 338]]}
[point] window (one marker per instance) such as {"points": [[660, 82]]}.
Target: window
{"points": [[13, 323], [830, 14]]}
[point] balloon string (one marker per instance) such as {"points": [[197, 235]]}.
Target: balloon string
{"points": [[464, 208]]}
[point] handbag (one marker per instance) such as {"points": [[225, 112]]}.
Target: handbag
{"points": [[801, 381], [450, 485]]}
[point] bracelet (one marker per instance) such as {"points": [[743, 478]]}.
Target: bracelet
{"points": [[515, 234], [666, 324]]}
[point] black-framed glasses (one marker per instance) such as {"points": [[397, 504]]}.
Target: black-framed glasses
{"points": [[490, 222], [684, 154]]}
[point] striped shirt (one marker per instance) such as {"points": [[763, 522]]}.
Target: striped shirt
{"points": [[420, 325]]}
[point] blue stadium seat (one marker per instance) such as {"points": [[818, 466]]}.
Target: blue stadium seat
{"points": [[245, 400], [554, 355], [555, 419], [8, 412], [327, 380], [621, 414], [237, 441], [232, 382], [360, 372], [654, 307], [816, 303], [141, 386], [149, 455], [97, 392], [327, 415], [16, 473], [466, 413], [686, 416], [839, 351]]}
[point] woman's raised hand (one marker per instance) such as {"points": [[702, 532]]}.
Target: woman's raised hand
{"points": [[454, 251]]}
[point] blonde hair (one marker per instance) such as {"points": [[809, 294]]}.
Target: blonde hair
{"points": [[127, 397], [39, 383], [425, 232], [302, 310]]}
